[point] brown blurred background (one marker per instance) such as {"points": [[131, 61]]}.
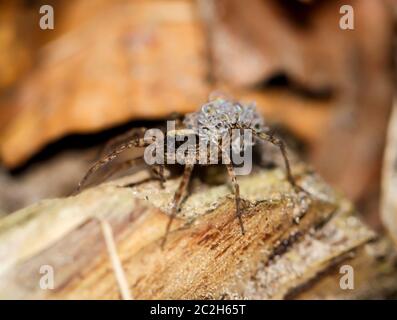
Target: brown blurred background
{"points": [[110, 65]]}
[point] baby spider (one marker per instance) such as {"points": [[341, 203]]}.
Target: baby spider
{"points": [[214, 126]]}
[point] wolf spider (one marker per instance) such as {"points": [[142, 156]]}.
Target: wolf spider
{"points": [[214, 119]]}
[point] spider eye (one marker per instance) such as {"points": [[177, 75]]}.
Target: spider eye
{"points": [[208, 109]]}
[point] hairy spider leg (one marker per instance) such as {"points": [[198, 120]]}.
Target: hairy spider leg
{"points": [[127, 136], [178, 197], [236, 187], [123, 165], [136, 143], [178, 118], [158, 171], [281, 145]]}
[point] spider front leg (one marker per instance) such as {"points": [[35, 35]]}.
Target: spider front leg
{"points": [[122, 166], [237, 198], [280, 144], [178, 197], [134, 133], [156, 170], [137, 142]]}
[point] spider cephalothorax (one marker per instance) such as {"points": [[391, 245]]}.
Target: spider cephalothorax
{"points": [[216, 118], [211, 124]]}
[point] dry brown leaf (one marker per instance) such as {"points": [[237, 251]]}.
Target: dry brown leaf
{"points": [[15, 56], [131, 60]]}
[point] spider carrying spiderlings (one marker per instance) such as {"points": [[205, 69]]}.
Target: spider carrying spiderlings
{"points": [[214, 124]]}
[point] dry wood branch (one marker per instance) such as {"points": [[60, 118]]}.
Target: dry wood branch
{"points": [[206, 256]]}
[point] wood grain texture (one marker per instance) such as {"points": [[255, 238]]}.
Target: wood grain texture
{"points": [[205, 257]]}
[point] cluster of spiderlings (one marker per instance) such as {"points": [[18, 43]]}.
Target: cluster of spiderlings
{"points": [[216, 117]]}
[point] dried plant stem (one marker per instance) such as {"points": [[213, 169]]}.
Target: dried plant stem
{"points": [[115, 260]]}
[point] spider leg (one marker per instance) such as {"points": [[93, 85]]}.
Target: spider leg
{"points": [[178, 118], [112, 143], [138, 142], [123, 165], [178, 197], [158, 171], [237, 198], [280, 144]]}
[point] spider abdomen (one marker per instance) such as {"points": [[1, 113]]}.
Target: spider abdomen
{"points": [[216, 119]]}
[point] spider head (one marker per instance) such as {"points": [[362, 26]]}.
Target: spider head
{"points": [[217, 117]]}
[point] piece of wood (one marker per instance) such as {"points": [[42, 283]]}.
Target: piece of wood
{"points": [[205, 256], [374, 266]]}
